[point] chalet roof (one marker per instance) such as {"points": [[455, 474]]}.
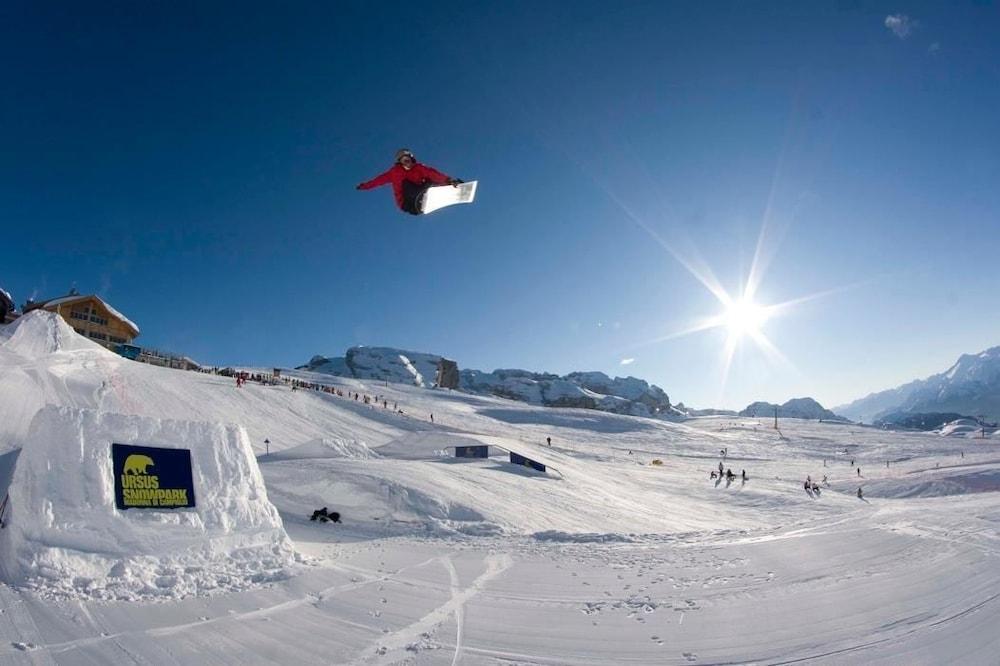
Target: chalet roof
{"points": [[65, 300]]}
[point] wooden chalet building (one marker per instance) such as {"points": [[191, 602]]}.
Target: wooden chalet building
{"points": [[91, 317]]}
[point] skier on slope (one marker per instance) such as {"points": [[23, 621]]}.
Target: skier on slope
{"points": [[410, 180]]}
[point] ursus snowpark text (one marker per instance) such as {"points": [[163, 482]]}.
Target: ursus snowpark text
{"points": [[151, 477]]}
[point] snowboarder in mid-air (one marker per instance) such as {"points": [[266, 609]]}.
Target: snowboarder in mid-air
{"points": [[410, 180]]}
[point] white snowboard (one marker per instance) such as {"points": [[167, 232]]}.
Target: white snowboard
{"points": [[440, 196]]}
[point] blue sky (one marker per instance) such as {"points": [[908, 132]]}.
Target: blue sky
{"points": [[195, 163]]}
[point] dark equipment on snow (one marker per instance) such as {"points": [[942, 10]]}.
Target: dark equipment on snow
{"points": [[324, 516]]}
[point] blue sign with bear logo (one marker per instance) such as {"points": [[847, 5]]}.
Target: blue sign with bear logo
{"points": [[149, 477]]}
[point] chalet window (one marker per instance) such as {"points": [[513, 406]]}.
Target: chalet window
{"points": [[80, 331], [78, 315], [98, 336], [115, 338], [98, 320]]}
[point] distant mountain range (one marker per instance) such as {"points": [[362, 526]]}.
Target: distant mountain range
{"points": [[691, 411], [590, 390], [796, 408], [971, 386]]}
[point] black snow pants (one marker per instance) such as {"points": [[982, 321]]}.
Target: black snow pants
{"points": [[413, 196]]}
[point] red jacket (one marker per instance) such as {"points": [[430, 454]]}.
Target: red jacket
{"points": [[418, 173]]}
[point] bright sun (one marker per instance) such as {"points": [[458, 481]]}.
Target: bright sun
{"points": [[744, 317]]}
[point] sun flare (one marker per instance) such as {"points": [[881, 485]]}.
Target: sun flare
{"points": [[744, 317]]}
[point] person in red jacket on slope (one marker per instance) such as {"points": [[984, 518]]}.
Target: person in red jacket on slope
{"points": [[410, 179]]}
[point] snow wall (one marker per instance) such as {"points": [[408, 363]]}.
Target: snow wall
{"points": [[63, 535]]}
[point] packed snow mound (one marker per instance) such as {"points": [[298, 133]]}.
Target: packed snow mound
{"points": [[40, 333], [584, 537], [937, 483], [64, 536], [385, 496], [409, 500], [426, 445], [920, 420], [323, 447], [961, 428], [969, 428]]}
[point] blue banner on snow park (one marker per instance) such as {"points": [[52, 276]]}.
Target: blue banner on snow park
{"points": [[148, 477], [518, 459], [472, 451]]}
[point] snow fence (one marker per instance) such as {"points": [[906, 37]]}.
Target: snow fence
{"points": [[63, 534]]}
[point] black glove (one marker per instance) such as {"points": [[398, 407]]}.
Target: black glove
{"points": [[455, 181], [359, 186]]}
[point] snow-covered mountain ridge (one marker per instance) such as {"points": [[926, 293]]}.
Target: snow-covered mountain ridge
{"points": [[379, 363], [589, 390], [970, 386], [796, 408]]}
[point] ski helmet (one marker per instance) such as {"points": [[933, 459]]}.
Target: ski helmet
{"points": [[404, 152]]}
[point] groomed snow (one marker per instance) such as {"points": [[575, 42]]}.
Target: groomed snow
{"points": [[612, 560], [968, 428]]}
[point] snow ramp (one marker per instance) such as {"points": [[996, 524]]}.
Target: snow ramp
{"points": [[322, 447], [65, 535], [39, 333]]}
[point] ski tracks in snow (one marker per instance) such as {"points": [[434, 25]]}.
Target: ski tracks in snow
{"points": [[388, 648], [18, 628], [14, 610], [456, 588]]}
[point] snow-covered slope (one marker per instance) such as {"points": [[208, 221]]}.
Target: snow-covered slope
{"points": [[606, 558], [970, 386], [79, 373], [969, 428], [35, 336]]}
